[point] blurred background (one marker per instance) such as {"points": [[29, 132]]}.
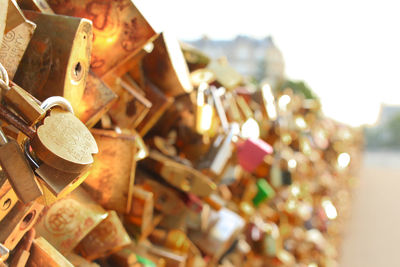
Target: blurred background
{"points": [[346, 54]]}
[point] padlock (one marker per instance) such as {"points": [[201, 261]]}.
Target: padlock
{"points": [[131, 107], [97, 99], [17, 222], [181, 176], [251, 153], [8, 198], [55, 64], [172, 259], [46, 255], [18, 170], [141, 212], [112, 175], [166, 199], [14, 44], [224, 227], [35, 5], [66, 222], [225, 74], [160, 103], [106, 238], [119, 29], [166, 67], [175, 240], [3, 17]]}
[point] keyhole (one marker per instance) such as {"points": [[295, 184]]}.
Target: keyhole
{"points": [[6, 204], [77, 72], [27, 220]]}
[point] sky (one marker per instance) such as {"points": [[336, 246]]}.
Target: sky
{"points": [[348, 52]]}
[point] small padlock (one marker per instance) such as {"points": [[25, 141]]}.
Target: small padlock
{"points": [[181, 176], [112, 175], [251, 153], [166, 67], [119, 28], [141, 213], [44, 254], [106, 238], [131, 107], [67, 221], [195, 58], [17, 222], [21, 253], [19, 173]]}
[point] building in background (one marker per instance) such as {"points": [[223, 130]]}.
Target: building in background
{"points": [[257, 58]]}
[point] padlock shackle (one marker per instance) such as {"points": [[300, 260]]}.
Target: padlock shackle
{"points": [[29, 156], [4, 75], [58, 101]]}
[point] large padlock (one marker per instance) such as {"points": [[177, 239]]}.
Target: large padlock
{"points": [[166, 67], [17, 222], [106, 238], [54, 63], [66, 222], [44, 254], [112, 175], [119, 29], [16, 40]]}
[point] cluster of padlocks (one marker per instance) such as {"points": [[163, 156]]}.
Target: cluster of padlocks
{"points": [[123, 147]]}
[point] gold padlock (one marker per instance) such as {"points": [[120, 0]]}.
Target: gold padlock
{"points": [[119, 28], [66, 222], [56, 64], [106, 238], [166, 67], [112, 175]]}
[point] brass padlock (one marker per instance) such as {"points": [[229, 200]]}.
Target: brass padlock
{"points": [[21, 253], [35, 5], [141, 213], [131, 107], [14, 45], [112, 175], [166, 67], [66, 222], [106, 238], [179, 175], [56, 64], [17, 222], [8, 198], [97, 99], [119, 29], [44, 254]]}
